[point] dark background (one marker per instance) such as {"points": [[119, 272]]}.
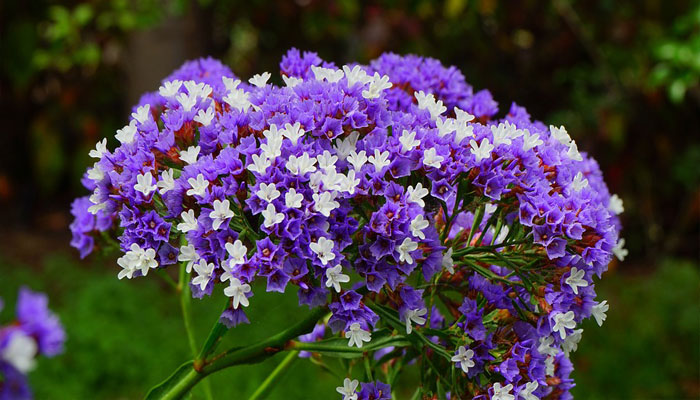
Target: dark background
{"points": [[622, 76]]}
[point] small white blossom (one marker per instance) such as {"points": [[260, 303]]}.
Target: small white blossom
{"points": [[379, 160], [579, 182], [570, 344], [502, 133], [408, 141], [142, 113], [237, 252], [238, 99], [348, 389], [576, 279], [166, 182], [432, 159], [291, 81], [355, 75], [144, 183], [530, 141], [481, 151], [205, 117], [323, 248], [95, 173], [376, 86], [301, 165], [418, 224], [464, 357], [190, 155], [260, 80], [545, 346], [405, 249], [526, 392], [463, 131], [204, 272], [335, 276], [416, 316], [324, 203], [169, 89], [230, 83], [560, 134], [329, 74], [189, 222], [326, 160], [502, 392], [346, 146], [237, 291], [427, 102], [222, 212], [357, 160], [446, 126], [573, 152], [549, 366], [20, 352], [598, 312], [187, 101], [268, 192], [448, 262], [136, 259], [100, 149], [127, 133], [198, 186], [357, 335], [292, 199], [260, 164], [415, 195], [615, 205], [272, 217], [293, 132], [563, 321], [463, 116], [189, 255]]}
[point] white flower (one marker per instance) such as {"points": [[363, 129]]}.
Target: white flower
{"points": [[481, 151], [127, 133], [408, 141], [142, 113], [615, 205], [237, 291], [549, 366], [260, 164], [197, 89], [598, 312], [238, 99], [502, 133], [463, 116], [291, 81], [204, 272], [560, 134], [95, 173], [427, 102], [414, 316], [145, 183], [348, 182], [260, 80], [576, 279], [526, 392], [379, 160], [20, 352], [230, 83], [346, 146], [530, 141], [324, 203], [448, 262], [301, 165], [97, 204], [222, 212], [502, 392], [198, 185], [376, 86], [579, 182], [272, 217], [331, 75], [357, 160], [349, 386], [326, 160], [189, 255], [418, 224], [573, 152], [356, 74], [189, 222], [205, 117], [335, 276], [190, 155], [237, 252], [292, 199], [187, 101], [357, 335], [432, 159], [463, 131], [293, 132], [323, 249], [446, 126], [571, 342], [562, 321], [170, 88], [136, 259], [545, 346], [465, 358], [405, 249], [100, 149], [166, 182], [268, 192], [415, 195]]}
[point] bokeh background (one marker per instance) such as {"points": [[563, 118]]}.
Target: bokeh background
{"points": [[622, 75]]}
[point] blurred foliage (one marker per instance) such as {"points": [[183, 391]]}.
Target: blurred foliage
{"points": [[125, 336]]}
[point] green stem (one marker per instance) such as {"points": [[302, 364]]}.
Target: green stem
{"points": [[264, 388], [185, 297]]}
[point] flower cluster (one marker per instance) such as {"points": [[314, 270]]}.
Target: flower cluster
{"points": [[389, 193], [36, 330]]}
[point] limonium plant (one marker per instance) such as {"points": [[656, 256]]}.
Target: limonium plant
{"points": [[35, 331], [421, 230]]}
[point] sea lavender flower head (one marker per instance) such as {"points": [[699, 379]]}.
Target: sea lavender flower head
{"points": [[371, 189]]}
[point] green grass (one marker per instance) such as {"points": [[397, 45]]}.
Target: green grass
{"points": [[126, 336]]}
